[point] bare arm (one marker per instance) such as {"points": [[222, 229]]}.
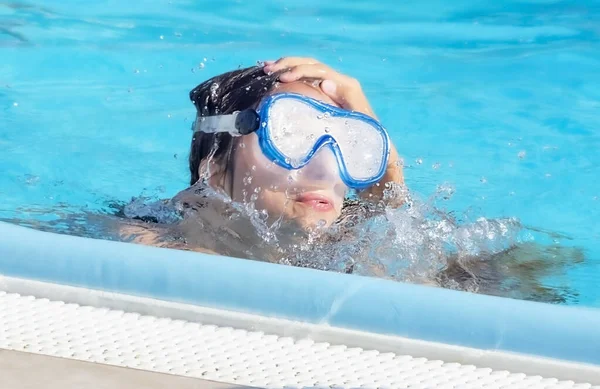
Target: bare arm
{"points": [[140, 234]]}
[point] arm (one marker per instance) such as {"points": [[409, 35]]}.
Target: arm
{"points": [[141, 234]]}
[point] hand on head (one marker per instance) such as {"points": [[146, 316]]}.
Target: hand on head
{"points": [[344, 90]]}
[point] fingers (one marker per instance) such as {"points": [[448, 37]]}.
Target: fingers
{"points": [[346, 92], [298, 72], [343, 90], [288, 62], [330, 88], [333, 84], [298, 68]]}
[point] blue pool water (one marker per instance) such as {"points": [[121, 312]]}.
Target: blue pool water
{"points": [[498, 100]]}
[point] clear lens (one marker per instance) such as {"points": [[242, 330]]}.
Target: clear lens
{"points": [[295, 127]]}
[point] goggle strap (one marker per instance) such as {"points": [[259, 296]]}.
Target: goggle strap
{"points": [[236, 124]]}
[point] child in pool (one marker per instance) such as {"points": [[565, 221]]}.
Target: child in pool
{"points": [[227, 170], [238, 167]]}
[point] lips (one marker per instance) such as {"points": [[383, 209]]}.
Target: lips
{"points": [[317, 202]]}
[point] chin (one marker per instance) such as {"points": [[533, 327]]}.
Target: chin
{"points": [[318, 220]]}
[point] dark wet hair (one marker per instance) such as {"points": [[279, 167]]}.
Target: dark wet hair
{"points": [[224, 94]]}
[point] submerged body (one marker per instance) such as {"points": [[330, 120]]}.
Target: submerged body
{"points": [[414, 243]]}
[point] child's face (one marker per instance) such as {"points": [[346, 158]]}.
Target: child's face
{"points": [[311, 196]]}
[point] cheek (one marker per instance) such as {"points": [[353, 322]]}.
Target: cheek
{"points": [[252, 168], [275, 203], [254, 174]]}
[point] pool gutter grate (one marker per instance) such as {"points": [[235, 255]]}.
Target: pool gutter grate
{"points": [[228, 355]]}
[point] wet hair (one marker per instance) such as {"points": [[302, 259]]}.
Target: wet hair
{"points": [[224, 94]]}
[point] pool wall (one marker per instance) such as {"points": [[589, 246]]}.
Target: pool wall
{"points": [[304, 295]]}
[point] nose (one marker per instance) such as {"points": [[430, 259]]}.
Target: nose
{"points": [[322, 167]]}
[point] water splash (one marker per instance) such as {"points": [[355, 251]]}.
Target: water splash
{"points": [[416, 243]]}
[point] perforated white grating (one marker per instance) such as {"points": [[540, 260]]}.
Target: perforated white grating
{"points": [[229, 355]]}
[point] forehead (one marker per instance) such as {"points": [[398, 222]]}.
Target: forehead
{"points": [[305, 88]]}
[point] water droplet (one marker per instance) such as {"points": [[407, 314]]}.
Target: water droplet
{"points": [[254, 197], [169, 115], [548, 175], [483, 180], [253, 168], [321, 223], [201, 65], [288, 161], [136, 71], [263, 124], [522, 154], [30, 179], [419, 161], [290, 179], [327, 130], [326, 115], [15, 104], [242, 145], [436, 165], [162, 37], [319, 116]]}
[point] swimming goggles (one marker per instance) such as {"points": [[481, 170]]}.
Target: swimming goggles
{"points": [[292, 128]]}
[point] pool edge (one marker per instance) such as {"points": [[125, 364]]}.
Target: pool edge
{"points": [[486, 323], [494, 359]]}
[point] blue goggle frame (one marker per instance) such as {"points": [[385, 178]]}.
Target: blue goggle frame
{"points": [[326, 140]]}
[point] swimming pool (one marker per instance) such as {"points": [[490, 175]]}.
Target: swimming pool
{"points": [[498, 101]]}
